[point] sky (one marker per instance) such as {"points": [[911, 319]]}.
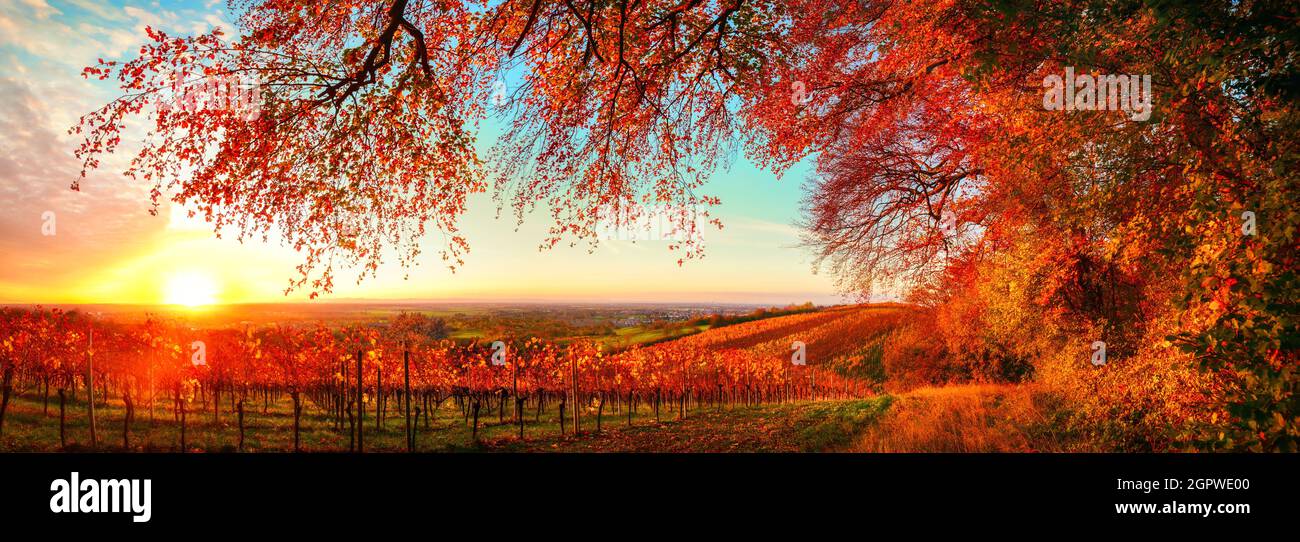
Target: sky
{"points": [[100, 245]]}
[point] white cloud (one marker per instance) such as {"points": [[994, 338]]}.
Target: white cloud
{"points": [[41, 9], [100, 10], [92, 226]]}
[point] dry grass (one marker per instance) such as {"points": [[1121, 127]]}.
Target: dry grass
{"points": [[970, 418]]}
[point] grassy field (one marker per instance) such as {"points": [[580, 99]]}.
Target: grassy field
{"points": [[970, 418], [974, 418], [791, 427], [632, 335]]}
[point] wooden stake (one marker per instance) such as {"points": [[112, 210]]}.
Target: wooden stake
{"points": [[361, 410], [90, 388]]}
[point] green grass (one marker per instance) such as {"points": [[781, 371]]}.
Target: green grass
{"points": [[832, 425], [642, 335], [790, 427]]}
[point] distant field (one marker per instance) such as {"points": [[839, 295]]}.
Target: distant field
{"points": [[613, 324], [628, 336]]}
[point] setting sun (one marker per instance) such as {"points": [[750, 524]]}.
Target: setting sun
{"points": [[190, 289]]}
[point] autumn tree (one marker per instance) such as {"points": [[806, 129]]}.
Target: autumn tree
{"points": [[1099, 227], [357, 132], [15, 350]]}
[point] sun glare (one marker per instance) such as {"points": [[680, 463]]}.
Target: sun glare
{"points": [[190, 290]]}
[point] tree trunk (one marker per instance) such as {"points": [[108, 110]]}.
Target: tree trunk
{"points": [[297, 417], [501, 407], [180, 403], [519, 415], [477, 404], [7, 389], [352, 429], [63, 399], [216, 402], [415, 428], [361, 409], [577, 401], [342, 396], [90, 390], [563, 398], [126, 420], [519, 403], [427, 411], [406, 377], [600, 411]]}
